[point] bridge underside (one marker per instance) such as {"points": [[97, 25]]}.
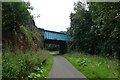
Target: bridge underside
{"points": [[61, 39], [62, 45]]}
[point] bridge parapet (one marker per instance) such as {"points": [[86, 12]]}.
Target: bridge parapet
{"points": [[51, 35]]}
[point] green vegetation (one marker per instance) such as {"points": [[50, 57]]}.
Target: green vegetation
{"points": [[56, 52], [48, 65], [52, 47], [96, 29], [43, 70], [94, 67], [0, 64], [23, 56], [26, 33], [23, 65], [18, 27]]}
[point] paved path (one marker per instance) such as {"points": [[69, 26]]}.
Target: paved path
{"points": [[63, 69]]}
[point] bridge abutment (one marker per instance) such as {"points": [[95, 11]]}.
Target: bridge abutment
{"points": [[61, 39], [63, 48]]}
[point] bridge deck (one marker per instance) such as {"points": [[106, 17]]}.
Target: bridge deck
{"points": [[51, 35]]}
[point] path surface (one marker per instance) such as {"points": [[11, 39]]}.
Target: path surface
{"points": [[63, 69]]}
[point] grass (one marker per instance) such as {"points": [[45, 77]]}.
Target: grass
{"points": [[94, 67], [0, 64], [26, 65], [26, 33], [31, 34], [56, 52], [48, 65], [42, 72]]}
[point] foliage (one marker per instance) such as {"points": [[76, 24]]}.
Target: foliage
{"points": [[52, 47], [36, 35], [43, 70], [96, 30], [94, 67], [21, 43], [80, 27], [14, 15], [18, 27], [106, 23], [0, 64], [19, 65], [31, 34], [26, 33], [56, 52]]}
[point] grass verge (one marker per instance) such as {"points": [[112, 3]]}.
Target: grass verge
{"points": [[94, 67], [43, 70], [25, 65]]}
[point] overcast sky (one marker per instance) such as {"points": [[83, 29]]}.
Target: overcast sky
{"points": [[54, 14]]}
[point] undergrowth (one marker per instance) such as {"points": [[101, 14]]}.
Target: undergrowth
{"points": [[25, 65], [43, 70], [26, 33], [94, 67]]}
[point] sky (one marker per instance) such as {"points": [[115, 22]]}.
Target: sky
{"points": [[54, 14]]}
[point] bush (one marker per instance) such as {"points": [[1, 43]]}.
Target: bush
{"points": [[26, 33], [43, 70], [19, 65]]}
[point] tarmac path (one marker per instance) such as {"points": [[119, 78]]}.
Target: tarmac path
{"points": [[63, 69]]}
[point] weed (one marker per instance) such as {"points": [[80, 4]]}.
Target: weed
{"points": [[94, 66], [21, 65]]}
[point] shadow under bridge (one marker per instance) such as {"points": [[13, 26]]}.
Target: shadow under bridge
{"points": [[52, 37]]}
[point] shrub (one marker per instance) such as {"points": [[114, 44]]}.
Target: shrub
{"points": [[19, 65], [26, 33]]}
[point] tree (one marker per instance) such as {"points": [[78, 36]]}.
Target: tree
{"points": [[18, 27], [80, 26], [13, 16], [97, 29], [105, 18]]}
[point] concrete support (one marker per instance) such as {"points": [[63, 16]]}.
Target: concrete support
{"points": [[63, 48], [62, 45]]}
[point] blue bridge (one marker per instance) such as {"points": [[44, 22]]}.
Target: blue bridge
{"points": [[52, 37]]}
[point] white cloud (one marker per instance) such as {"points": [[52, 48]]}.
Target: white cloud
{"points": [[54, 14]]}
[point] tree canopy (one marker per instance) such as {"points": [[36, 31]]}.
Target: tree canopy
{"points": [[96, 30], [18, 26]]}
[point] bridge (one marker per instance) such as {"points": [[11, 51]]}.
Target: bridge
{"points": [[62, 39]]}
